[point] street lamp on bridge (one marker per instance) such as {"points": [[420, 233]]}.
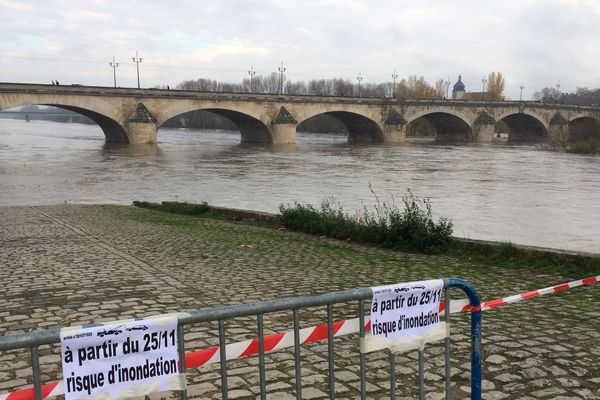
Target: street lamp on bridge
{"points": [[521, 95], [484, 81], [137, 60], [394, 76], [447, 84], [359, 78], [113, 64], [281, 71], [252, 72]]}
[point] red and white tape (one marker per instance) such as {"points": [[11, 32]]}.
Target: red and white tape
{"points": [[463, 305], [279, 341]]}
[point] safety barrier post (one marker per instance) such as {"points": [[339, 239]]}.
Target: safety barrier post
{"points": [[447, 344], [476, 350], [261, 357], [361, 332], [297, 355], [330, 351], [37, 375], [181, 350], [223, 359], [392, 375]]}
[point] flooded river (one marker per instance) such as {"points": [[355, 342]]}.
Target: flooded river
{"points": [[496, 192]]}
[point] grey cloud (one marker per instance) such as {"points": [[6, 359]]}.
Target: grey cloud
{"points": [[535, 41]]}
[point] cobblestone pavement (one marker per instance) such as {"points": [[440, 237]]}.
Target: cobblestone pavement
{"points": [[68, 265]]}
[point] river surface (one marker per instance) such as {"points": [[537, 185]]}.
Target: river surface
{"points": [[495, 192]]}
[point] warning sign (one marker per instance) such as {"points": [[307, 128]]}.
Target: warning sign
{"points": [[405, 316], [120, 360]]}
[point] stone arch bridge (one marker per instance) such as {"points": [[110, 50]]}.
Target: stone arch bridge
{"points": [[135, 115]]}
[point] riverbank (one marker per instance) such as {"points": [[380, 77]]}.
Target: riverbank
{"points": [[504, 254], [73, 264]]}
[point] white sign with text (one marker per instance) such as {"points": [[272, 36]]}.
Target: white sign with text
{"points": [[120, 360], [406, 309]]}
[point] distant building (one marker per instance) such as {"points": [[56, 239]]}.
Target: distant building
{"points": [[475, 95], [458, 90]]}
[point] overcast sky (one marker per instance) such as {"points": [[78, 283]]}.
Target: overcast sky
{"points": [[534, 42]]}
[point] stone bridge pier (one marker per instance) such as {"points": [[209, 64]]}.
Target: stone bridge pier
{"points": [[483, 128], [141, 127]]}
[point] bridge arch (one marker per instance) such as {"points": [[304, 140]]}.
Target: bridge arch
{"points": [[444, 126], [583, 129], [360, 128], [524, 127], [113, 131], [252, 130]]}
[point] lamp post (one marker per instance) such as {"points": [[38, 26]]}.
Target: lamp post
{"points": [[137, 60], [113, 64], [394, 76], [281, 71], [359, 78], [557, 91], [521, 95], [447, 83], [252, 72], [484, 81]]}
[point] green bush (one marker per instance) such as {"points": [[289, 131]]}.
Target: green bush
{"points": [[175, 207], [185, 208], [410, 228], [506, 250], [590, 146]]}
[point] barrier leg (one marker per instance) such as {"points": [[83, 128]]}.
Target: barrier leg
{"points": [[476, 352]]}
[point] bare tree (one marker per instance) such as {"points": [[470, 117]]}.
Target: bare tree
{"points": [[547, 95], [495, 86], [418, 88]]}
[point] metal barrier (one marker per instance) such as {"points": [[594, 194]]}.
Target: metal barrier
{"points": [[35, 339]]}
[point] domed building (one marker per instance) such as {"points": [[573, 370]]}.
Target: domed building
{"points": [[458, 90]]}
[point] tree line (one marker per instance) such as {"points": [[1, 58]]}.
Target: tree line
{"points": [[413, 87], [581, 96], [274, 84]]}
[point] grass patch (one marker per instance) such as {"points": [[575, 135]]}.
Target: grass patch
{"points": [[409, 228], [508, 255], [204, 210], [175, 207], [161, 218]]}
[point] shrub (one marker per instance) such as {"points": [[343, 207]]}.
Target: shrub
{"points": [[185, 208], [175, 207], [506, 250], [410, 228], [590, 146]]}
